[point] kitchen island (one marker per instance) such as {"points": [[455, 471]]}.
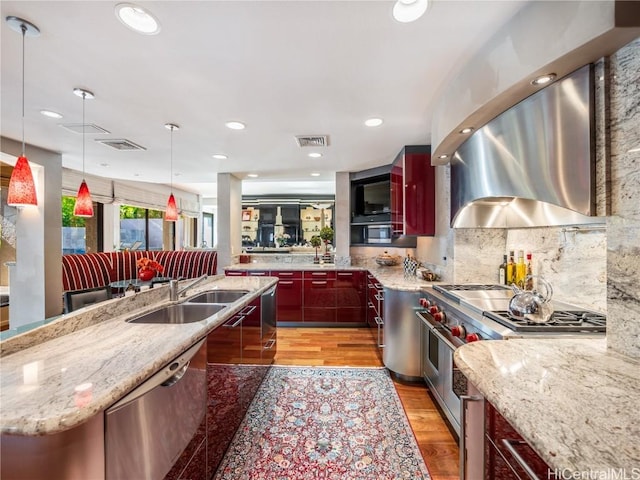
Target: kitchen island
{"points": [[573, 400], [97, 349]]}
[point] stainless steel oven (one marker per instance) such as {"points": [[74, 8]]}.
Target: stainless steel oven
{"points": [[452, 315], [438, 369], [378, 234]]}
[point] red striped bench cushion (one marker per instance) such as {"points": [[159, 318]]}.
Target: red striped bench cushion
{"points": [[91, 270]]}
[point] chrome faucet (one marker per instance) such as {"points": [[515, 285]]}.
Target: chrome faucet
{"points": [[174, 293]]}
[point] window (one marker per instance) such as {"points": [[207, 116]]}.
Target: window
{"points": [[143, 229], [80, 234]]}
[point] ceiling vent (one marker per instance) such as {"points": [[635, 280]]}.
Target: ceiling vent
{"points": [[120, 144], [89, 128], [312, 140]]}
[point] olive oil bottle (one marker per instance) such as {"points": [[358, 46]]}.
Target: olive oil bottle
{"points": [[521, 270], [511, 269]]}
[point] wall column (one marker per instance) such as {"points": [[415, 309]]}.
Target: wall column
{"points": [[229, 219], [36, 281]]}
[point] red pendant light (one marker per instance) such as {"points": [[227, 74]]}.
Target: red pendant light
{"points": [[22, 189], [171, 213], [84, 203]]}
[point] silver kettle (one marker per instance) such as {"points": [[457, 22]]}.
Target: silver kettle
{"points": [[531, 305]]}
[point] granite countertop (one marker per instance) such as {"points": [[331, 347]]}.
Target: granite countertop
{"points": [[574, 401], [60, 378], [389, 277]]}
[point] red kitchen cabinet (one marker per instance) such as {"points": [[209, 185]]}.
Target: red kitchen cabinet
{"points": [[289, 298], [351, 296], [501, 441], [319, 296], [413, 192]]}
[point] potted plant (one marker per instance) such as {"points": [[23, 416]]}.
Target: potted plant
{"points": [[315, 242], [326, 234]]}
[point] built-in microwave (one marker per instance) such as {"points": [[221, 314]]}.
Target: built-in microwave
{"points": [[377, 234]]}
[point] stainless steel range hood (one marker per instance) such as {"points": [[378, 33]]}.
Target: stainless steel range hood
{"points": [[533, 165]]}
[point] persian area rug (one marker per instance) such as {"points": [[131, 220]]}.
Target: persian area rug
{"points": [[324, 423]]}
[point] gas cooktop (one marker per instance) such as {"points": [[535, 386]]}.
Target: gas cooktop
{"points": [[561, 321]]}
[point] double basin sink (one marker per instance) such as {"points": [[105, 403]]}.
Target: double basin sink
{"points": [[193, 309]]}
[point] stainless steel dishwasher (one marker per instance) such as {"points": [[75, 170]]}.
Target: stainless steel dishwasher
{"points": [[147, 430]]}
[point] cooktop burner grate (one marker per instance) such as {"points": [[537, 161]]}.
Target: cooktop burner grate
{"points": [[561, 321]]}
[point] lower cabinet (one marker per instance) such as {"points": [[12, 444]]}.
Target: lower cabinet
{"points": [[236, 366], [507, 455], [319, 295], [351, 296], [289, 302]]}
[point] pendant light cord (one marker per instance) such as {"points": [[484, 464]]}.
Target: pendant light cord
{"points": [[23, 27], [171, 164], [84, 97]]}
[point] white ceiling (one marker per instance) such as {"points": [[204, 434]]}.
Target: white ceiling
{"points": [[285, 68]]}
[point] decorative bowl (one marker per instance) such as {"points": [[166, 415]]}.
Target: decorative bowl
{"points": [[429, 276], [387, 260]]}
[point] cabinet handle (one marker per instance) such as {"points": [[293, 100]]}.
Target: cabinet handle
{"points": [[257, 274], [250, 310], [464, 399], [285, 274], [508, 444], [371, 305], [238, 322], [319, 283], [379, 297], [372, 286], [285, 282], [269, 345], [345, 274], [379, 286], [318, 274]]}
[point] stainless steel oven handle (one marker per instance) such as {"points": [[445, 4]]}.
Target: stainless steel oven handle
{"points": [[508, 444], [464, 399], [441, 337]]}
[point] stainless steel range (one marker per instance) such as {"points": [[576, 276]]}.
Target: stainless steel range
{"points": [[453, 315]]}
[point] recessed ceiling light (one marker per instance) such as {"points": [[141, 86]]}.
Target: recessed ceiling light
{"points": [[50, 114], [137, 18], [219, 156], [315, 155], [466, 130], [406, 11], [235, 125], [315, 174], [543, 79], [252, 175], [373, 122], [443, 156], [105, 165]]}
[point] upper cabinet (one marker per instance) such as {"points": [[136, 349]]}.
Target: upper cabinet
{"points": [[413, 192]]}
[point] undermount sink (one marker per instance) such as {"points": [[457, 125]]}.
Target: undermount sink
{"points": [[218, 296], [179, 313]]}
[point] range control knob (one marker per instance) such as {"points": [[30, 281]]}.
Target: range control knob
{"points": [[458, 331], [439, 317], [424, 302], [434, 309], [473, 337]]}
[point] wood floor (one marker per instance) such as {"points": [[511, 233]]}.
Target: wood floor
{"points": [[356, 347]]}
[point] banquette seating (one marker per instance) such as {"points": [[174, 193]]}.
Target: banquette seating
{"points": [[94, 270]]}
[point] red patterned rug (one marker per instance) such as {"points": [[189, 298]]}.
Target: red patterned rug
{"points": [[324, 423]]}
